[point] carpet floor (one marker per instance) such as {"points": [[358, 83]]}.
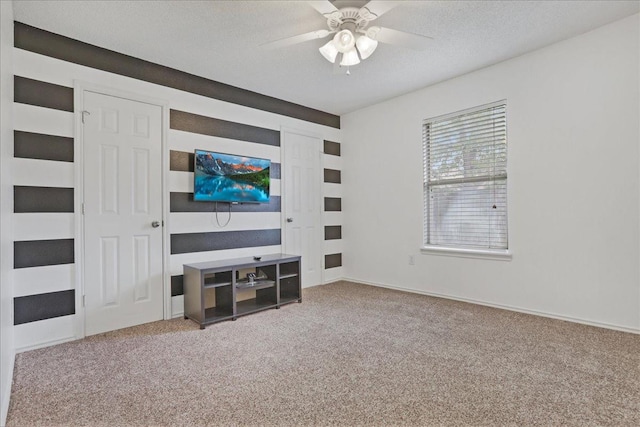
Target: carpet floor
{"points": [[349, 355]]}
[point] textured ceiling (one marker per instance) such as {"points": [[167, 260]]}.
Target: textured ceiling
{"points": [[221, 40]]}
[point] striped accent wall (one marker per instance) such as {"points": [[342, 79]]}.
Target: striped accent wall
{"points": [[43, 202], [333, 245], [254, 228], [66, 49], [203, 114]]}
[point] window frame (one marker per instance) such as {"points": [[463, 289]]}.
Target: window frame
{"points": [[461, 251]]}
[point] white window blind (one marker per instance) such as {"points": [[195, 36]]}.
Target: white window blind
{"points": [[465, 179]]}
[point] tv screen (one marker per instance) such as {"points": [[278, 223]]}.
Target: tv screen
{"points": [[220, 177]]}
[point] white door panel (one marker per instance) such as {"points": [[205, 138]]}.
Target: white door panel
{"points": [[302, 203], [122, 144]]}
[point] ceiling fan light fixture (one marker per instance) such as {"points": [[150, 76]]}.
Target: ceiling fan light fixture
{"points": [[344, 41], [329, 51], [366, 46], [350, 57]]}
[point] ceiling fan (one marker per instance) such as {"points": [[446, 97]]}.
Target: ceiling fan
{"points": [[353, 39]]}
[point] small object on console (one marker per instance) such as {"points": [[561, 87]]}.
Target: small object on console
{"points": [[251, 277], [257, 258]]}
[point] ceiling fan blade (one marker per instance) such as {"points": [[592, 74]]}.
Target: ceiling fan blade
{"points": [[325, 7], [313, 35], [378, 7], [399, 38]]}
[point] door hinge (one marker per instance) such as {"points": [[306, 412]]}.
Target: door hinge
{"points": [[83, 300], [82, 208]]}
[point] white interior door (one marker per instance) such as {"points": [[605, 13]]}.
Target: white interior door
{"points": [[302, 203], [122, 150]]}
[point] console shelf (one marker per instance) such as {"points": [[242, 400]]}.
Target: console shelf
{"points": [[258, 284], [214, 291]]}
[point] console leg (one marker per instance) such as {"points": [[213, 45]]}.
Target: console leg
{"points": [[186, 318], [234, 319], [201, 327]]}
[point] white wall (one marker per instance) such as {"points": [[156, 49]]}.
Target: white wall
{"points": [[573, 164], [6, 207]]}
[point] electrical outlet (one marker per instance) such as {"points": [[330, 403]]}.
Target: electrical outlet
{"points": [[412, 260]]}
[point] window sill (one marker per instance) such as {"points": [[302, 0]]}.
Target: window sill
{"points": [[493, 254]]}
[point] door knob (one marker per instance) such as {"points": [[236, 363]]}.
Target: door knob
{"points": [[155, 224], [289, 219]]}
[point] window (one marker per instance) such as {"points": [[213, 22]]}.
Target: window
{"points": [[465, 179]]}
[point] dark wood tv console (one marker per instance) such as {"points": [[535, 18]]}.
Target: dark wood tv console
{"points": [[215, 291]]}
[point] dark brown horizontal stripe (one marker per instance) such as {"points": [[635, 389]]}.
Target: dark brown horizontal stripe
{"points": [[177, 285], [332, 232], [42, 94], [42, 199], [29, 145], [182, 161], [216, 241], [332, 204], [332, 261], [56, 46], [332, 148], [37, 253], [204, 125], [183, 202], [274, 171], [32, 308], [332, 175]]}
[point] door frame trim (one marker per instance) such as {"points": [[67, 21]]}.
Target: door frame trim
{"points": [[79, 88], [320, 181]]}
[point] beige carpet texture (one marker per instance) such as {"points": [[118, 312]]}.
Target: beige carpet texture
{"points": [[348, 355]]}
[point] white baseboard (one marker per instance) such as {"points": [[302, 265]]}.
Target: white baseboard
{"points": [[313, 286], [43, 344], [6, 394], [504, 307]]}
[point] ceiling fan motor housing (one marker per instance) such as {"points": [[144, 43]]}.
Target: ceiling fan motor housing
{"points": [[350, 18]]}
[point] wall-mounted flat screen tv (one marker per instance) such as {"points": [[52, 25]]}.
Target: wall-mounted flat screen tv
{"points": [[220, 177]]}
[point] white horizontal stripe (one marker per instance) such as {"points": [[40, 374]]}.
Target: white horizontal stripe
{"points": [[43, 226], [178, 260], [30, 118], [182, 182], [332, 218], [41, 67], [189, 142], [177, 306], [331, 189], [331, 162], [42, 280], [275, 187], [332, 274], [46, 69], [44, 333], [43, 173], [333, 246], [199, 222]]}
